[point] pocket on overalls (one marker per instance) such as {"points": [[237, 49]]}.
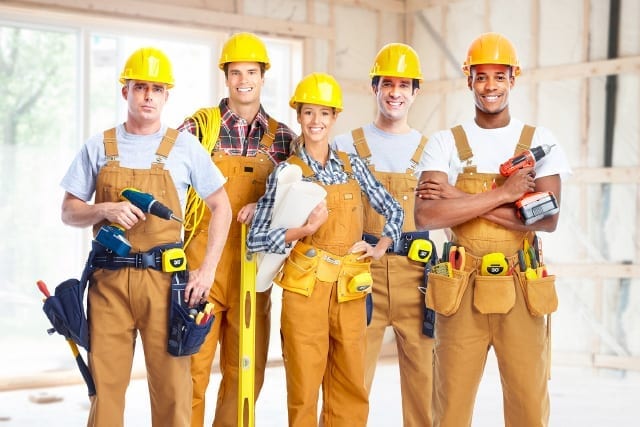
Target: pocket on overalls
{"points": [[444, 293], [494, 294], [355, 280], [299, 271], [539, 294]]}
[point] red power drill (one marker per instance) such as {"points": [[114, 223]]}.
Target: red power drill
{"points": [[531, 207]]}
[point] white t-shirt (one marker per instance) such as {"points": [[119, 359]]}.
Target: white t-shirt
{"points": [[390, 152], [490, 147], [188, 163]]}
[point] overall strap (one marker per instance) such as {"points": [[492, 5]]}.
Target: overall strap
{"points": [[361, 146], [111, 145], [525, 139], [464, 149], [294, 159], [416, 156], [270, 135], [344, 157], [167, 143]]}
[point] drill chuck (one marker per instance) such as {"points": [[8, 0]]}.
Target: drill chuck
{"points": [[147, 203]]}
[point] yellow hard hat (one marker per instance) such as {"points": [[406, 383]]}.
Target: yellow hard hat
{"points": [[244, 47], [397, 60], [491, 48], [318, 89], [148, 64]]}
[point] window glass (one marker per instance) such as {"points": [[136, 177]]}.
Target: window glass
{"points": [[58, 86]]}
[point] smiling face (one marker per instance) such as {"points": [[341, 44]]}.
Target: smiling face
{"points": [[394, 96], [245, 81], [145, 101], [491, 85], [316, 122]]}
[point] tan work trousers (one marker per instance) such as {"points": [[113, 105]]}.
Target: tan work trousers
{"points": [[323, 343], [462, 342], [120, 302], [225, 294], [397, 302]]}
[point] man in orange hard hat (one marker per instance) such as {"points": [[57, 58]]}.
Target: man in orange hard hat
{"points": [[391, 149], [461, 187], [131, 294], [246, 144]]}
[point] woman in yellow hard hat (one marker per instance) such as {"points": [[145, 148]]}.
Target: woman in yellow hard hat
{"points": [[327, 275]]}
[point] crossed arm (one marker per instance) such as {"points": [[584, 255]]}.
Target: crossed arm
{"points": [[441, 205]]}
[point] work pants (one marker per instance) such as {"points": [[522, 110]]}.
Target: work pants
{"points": [[520, 344], [323, 343], [225, 295], [122, 302], [397, 302]]}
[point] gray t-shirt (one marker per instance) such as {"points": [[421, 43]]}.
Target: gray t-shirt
{"points": [[188, 163]]}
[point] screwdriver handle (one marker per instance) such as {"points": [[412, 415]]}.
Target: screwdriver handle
{"points": [[43, 288]]}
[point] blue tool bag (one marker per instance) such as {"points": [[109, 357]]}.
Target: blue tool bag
{"points": [[185, 335], [65, 309]]}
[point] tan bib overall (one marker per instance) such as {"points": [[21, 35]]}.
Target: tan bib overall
{"points": [[125, 301], [397, 302], [463, 338], [323, 340], [246, 182]]}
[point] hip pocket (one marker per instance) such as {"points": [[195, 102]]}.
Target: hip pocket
{"points": [[494, 294], [298, 273], [355, 280], [539, 294], [444, 293]]}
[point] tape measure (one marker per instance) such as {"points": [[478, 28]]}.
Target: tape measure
{"points": [[174, 259], [360, 283], [494, 264], [420, 250]]}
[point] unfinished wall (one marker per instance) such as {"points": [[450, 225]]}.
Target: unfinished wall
{"points": [[563, 53]]}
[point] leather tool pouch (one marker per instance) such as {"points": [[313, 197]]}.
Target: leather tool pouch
{"points": [[185, 336], [540, 294], [494, 294], [444, 293], [354, 270], [299, 271]]}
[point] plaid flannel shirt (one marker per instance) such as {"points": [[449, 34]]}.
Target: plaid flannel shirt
{"points": [[240, 138], [263, 239]]}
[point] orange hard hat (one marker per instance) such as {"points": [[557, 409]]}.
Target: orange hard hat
{"points": [[491, 48]]}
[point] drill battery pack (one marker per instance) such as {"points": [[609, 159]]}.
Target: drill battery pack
{"points": [[536, 206]]}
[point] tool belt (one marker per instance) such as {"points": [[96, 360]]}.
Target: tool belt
{"points": [[102, 257], [402, 246], [306, 264]]}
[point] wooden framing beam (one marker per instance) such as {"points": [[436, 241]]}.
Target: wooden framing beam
{"points": [[394, 6], [182, 16], [619, 175]]}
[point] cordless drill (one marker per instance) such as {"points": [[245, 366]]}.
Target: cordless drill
{"points": [[112, 236], [531, 207], [147, 203]]}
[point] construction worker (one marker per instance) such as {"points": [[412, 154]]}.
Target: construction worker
{"points": [[460, 187], [327, 274], [391, 149], [130, 294], [246, 144]]}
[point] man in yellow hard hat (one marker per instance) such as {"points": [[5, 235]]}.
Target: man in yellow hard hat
{"points": [[246, 144], [327, 276], [130, 293], [391, 149], [479, 308]]}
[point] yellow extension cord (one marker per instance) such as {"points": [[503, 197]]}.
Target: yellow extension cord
{"points": [[207, 131]]}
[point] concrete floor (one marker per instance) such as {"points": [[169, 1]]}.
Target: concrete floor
{"points": [[579, 397]]}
